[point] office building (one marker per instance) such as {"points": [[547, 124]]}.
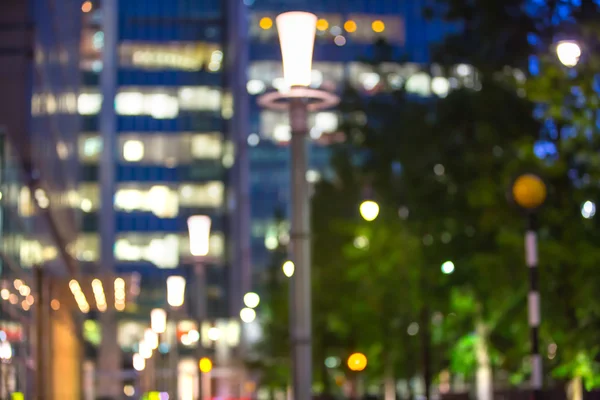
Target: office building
{"points": [[39, 46], [159, 144]]}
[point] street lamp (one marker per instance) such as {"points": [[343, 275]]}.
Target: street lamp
{"points": [[251, 300], [175, 290], [297, 32], [369, 210], [568, 52], [357, 362], [158, 320], [199, 232], [529, 193]]}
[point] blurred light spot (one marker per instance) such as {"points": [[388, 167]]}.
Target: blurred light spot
{"points": [[588, 209], [439, 169], [361, 242], [413, 329], [339, 40]]}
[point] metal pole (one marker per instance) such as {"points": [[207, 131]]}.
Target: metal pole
{"points": [[39, 334], [201, 313], [531, 257], [300, 241]]}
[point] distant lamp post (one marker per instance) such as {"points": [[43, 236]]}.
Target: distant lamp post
{"points": [[175, 290], [357, 362], [529, 193], [247, 315], [369, 210], [139, 362], [297, 32], [251, 300], [199, 232], [568, 52], [158, 320]]}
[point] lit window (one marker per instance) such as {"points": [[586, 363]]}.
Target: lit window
{"points": [[163, 250], [210, 194], [186, 56], [161, 106], [86, 247], [133, 150], [162, 202], [199, 98], [322, 24], [266, 23], [378, 26], [89, 103], [88, 197], [206, 146], [129, 103], [282, 133], [255, 86], [350, 26], [98, 40], [90, 148]]}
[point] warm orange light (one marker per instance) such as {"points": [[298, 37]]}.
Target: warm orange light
{"points": [[378, 26], [357, 362], [205, 365], [266, 23], [86, 7], [350, 26], [55, 304], [529, 191], [322, 24]]}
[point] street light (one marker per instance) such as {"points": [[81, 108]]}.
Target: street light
{"points": [[251, 300], [448, 267], [369, 210], [297, 32], [529, 193], [568, 52], [247, 315], [158, 320], [288, 268], [175, 290], [357, 362], [199, 232]]}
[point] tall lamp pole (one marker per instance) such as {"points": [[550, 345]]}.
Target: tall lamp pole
{"points": [[297, 36], [199, 232], [529, 193]]}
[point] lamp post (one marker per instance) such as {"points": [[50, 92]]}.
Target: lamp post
{"points": [[175, 299], [199, 233], [297, 36], [528, 191]]}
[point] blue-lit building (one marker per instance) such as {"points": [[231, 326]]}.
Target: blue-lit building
{"points": [[346, 33], [160, 142]]}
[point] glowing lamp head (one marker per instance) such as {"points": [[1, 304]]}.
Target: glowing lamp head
{"points": [[175, 291], [205, 365], [568, 53], [369, 210], [288, 268], [529, 191], [357, 362], [247, 315], [158, 320], [199, 231], [251, 300], [139, 362], [297, 32]]}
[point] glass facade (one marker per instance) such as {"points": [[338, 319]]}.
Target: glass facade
{"points": [[173, 153]]}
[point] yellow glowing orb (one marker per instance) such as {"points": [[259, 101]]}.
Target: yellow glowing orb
{"points": [[205, 365], [350, 26], [529, 191], [357, 362], [322, 24], [266, 23], [378, 26]]}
